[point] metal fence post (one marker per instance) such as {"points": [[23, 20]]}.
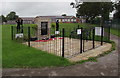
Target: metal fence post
{"points": [[93, 37], [81, 40], [109, 31], [78, 26], [102, 35], [12, 32], [63, 34], [29, 36], [22, 29]]}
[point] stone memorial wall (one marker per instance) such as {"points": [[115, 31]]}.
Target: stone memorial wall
{"points": [[43, 29]]}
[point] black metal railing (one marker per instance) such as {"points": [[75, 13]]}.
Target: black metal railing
{"points": [[67, 43]]}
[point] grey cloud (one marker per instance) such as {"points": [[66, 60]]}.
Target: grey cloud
{"points": [[38, 8]]}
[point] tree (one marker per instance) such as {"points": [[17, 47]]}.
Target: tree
{"points": [[64, 15], [117, 14], [3, 19], [92, 9], [87, 9], [12, 16]]}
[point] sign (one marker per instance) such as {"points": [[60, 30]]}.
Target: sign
{"points": [[57, 32], [19, 35], [78, 31], [98, 31]]}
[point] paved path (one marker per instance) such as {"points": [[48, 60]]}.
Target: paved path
{"points": [[106, 66]]}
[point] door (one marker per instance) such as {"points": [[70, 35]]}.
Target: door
{"points": [[44, 28]]}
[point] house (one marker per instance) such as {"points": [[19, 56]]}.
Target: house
{"points": [[63, 19], [26, 20]]}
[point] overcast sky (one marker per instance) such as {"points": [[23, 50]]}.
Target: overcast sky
{"points": [[33, 8]]}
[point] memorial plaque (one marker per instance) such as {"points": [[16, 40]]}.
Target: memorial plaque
{"points": [[44, 28]]}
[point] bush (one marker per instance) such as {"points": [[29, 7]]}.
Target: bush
{"points": [[53, 26]]}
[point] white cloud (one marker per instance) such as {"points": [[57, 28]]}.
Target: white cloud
{"points": [[38, 0], [38, 8], [56, 0]]}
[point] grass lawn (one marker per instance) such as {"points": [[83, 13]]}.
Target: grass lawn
{"points": [[19, 55], [115, 32], [0, 46], [69, 26]]}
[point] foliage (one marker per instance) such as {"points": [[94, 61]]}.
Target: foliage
{"points": [[117, 14], [90, 59], [53, 25], [3, 19], [115, 32], [97, 20], [72, 4], [92, 9], [12, 16], [64, 15]]}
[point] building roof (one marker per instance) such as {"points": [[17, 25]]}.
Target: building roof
{"points": [[27, 18], [52, 17]]}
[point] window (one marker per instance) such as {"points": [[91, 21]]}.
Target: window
{"points": [[74, 20], [59, 20], [68, 20], [71, 20], [63, 20]]}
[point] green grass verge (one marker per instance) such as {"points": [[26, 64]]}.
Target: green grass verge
{"points": [[0, 46], [109, 51], [72, 27], [115, 32], [69, 27], [18, 55]]}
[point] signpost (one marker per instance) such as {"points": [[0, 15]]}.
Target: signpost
{"points": [[78, 31], [57, 32], [20, 35], [100, 32]]}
